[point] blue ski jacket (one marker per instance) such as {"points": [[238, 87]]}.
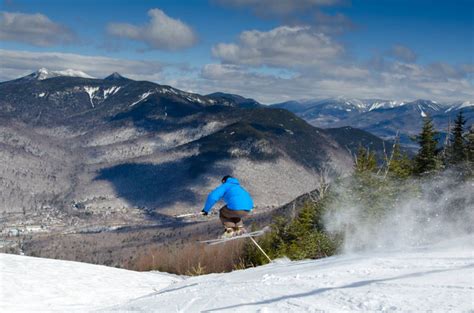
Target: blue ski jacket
{"points": [[235, 197]]}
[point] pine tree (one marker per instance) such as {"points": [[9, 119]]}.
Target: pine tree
{"points": [[426, 160], [365, 161], [457, 147], [470, 145], [400, 164]]}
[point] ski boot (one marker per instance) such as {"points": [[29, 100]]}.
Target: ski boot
{"points": [[238, 231], [229, 233]]}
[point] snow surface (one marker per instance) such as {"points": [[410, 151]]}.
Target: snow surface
{"points": [[30, 284], [438, 278], [466, 104], [44, 73], [143, 97], [363, 105], [111, 91], [91, 91], [460, 105]]}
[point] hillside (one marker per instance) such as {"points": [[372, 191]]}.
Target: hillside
{"points": [[429, 278], [86, 153]]}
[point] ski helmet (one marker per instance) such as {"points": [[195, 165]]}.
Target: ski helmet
{"points": [[224, 179]]}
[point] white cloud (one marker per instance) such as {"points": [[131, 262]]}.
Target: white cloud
{"points": [[394, 80], [283, 46], [407, 82], [219, 71], [14, 64], [321, 68], [35, 29], [161, 32]]}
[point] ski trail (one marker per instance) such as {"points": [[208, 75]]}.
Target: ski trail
{"points": [[189, 305], [438, 278]]}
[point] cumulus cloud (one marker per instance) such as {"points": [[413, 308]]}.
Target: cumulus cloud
{"points": [[284, 46], [161, 32], [35, 29], [14, 64], [278, 7], [402, 53], [320, 67]]}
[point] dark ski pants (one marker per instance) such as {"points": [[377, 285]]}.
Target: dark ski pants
{"points": [[231, 218]]}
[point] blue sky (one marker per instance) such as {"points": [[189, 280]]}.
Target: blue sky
{"points": [[269, 50]]}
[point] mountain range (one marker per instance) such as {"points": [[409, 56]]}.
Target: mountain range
{"points": [[86, 152], [383, 118]]}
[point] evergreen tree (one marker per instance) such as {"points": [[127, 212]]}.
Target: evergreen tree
{"points": [[365, 161], [300, 238], [426, 160], [457, 149], [400, 164], [470, 145]]}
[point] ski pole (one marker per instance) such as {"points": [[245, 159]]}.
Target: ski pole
{"points": [[258, 246]]}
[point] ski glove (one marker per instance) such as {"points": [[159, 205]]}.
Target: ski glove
{"points": [[204, 213]]}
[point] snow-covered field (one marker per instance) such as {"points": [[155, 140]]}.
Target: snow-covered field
{"points": [[438, 278]]}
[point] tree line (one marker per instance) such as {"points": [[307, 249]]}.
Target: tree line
{"points": [[376, 186]]}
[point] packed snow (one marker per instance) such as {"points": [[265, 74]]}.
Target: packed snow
{"points": [[436, 278], [30, 284]]}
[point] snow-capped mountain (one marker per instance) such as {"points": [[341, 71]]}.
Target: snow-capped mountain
{"points": [[366, 105], [431, 278], [339, 103], [44, 73], [52, 96], [460, 105], [384, 118], [362, 105]]}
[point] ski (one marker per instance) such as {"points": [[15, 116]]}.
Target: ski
{"points": [[246, 235]]}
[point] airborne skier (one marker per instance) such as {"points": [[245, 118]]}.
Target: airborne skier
{"points": [[238, 204]]}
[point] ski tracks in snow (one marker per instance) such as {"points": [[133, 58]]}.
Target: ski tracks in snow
{"points": [[425, 279], [417, 280]]}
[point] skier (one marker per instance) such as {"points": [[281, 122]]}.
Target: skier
{"points": [[238, 205]]}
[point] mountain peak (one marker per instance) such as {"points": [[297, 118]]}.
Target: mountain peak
{"points": [[233, 99], [44, 73], [115, 76]]}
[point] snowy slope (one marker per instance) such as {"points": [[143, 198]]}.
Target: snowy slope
{"points": [[439, 278], [44, 73], [30, 284]]}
